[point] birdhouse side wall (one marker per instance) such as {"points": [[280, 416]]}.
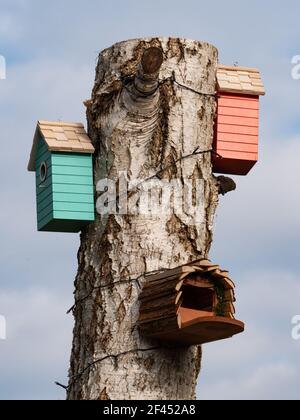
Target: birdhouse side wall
{"points": [[236, 133], [73, 190], [44, 192]]}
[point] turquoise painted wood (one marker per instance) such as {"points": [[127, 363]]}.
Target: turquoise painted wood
{"points": [[64, 190]]}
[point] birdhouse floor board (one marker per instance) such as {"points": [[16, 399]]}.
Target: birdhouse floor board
{"points": [[201, 330], [187, 315], [67, 226], [233, 166]]}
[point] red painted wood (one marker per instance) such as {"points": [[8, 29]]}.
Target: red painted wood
{"points": [[237, 129], [237, 138], [238, 112], [233, 154], [235, 103], [236, 133], [233, 120], [237, 147]]}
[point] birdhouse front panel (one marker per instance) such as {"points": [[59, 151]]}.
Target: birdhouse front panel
{"points": [[237, 121], [64, 177]]}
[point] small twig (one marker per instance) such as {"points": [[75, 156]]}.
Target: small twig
{"points": [[173, 79], [108, 285], [62, 386], [109, 356]]}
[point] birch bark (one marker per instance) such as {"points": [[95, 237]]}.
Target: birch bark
{"points": [[140, 126]]}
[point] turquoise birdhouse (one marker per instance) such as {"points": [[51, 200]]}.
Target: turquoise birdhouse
{"points": [[62, 159]]}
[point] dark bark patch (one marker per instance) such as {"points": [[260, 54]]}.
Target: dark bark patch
{"points": [[103, 395]]}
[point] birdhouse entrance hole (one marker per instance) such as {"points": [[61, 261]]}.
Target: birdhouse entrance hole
{"points": [[197, 301], [191, 304], [43, 171]]}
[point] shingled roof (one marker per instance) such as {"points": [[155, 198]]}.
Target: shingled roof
{"points": [[60, 137], [244, 80]]}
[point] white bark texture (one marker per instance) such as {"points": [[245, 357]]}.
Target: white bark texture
{"points": [[141, 134]]}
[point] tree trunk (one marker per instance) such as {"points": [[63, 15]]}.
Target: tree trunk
{"points": [[147, 112]]}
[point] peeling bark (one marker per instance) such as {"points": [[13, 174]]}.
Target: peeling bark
{"points": [[141, 126]]}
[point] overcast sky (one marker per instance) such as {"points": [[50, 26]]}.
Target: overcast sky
{"points": [[51, 50]]}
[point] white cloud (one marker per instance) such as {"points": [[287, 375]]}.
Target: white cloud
{"points": [[36, 351], [263, 362], [261, 220], [270, 381]]}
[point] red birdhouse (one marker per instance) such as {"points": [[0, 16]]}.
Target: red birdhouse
{"points": [[237, 122]]}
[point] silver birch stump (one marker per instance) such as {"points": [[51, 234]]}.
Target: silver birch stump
{"points": [[151, 119]]}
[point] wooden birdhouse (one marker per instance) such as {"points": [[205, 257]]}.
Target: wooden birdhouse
{"points": [[191, 304], [237, 122], [61, 158]]}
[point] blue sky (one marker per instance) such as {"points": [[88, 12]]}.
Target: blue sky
{"points": [[51, 50]]}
